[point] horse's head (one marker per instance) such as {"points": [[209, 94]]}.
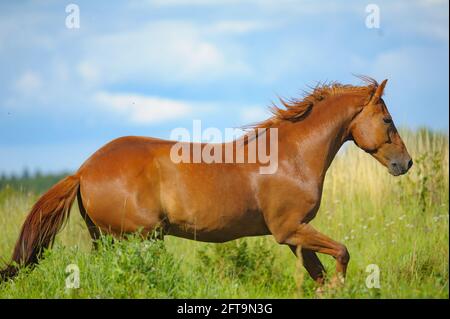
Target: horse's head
{"points": [[373, 130]]}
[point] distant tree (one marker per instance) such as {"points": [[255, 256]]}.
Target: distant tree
{"points": [[37, 173], [38, 182], [25, 173]]}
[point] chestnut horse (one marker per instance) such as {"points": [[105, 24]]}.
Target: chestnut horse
{"points": [[132, 184]]}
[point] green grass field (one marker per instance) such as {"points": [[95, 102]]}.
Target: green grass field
{"points": [[400, 224]]}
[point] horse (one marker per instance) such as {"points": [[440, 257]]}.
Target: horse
{"points": [[132, 184]]}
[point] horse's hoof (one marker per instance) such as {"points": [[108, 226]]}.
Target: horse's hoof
{"points": [[320, 292], [337, 281]]}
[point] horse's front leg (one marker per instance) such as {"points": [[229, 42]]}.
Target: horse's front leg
{"points": [[308, 238], [312, 264]]}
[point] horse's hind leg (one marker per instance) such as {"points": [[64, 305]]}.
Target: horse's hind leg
{"points": [[94, 231]]}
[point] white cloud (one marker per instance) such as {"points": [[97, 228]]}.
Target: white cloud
{"points": [[434, 31], [402, 64], [254, 114], [28, 83], [424, 18], [431, 3], [287, 6], [164, 51], [237, 26], [88, 72], [160, 3], [52, 87], [140, 109]]}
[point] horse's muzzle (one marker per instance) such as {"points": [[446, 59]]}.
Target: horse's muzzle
{"points": [[397, 167]]}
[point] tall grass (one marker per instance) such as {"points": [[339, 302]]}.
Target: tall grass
{"points": [[398, 223]]}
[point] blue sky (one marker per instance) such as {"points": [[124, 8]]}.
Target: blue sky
{"points": [[147, 67]]}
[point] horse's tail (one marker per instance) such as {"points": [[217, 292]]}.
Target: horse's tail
{"points": [[42, 224]]}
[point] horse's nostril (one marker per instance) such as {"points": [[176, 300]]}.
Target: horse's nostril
{"points": [[394, 164], [410, 163]]}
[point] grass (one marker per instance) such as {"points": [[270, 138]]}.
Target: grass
{"points": [[400, 224]]}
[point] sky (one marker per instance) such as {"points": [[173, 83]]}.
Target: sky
{"points": [[148, 67]]}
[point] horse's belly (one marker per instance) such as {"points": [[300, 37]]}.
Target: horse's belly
{"points": [[221, 228]]}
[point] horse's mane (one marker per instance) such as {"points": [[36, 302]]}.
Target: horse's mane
{"points": [[294, 109]]}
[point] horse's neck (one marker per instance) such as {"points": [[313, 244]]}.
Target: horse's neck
{"points": [[318, 138]]}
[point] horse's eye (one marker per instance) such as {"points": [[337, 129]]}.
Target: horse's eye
{"points": [[387, 120]]}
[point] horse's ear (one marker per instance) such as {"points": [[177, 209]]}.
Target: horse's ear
{"points": [[379, 92]]}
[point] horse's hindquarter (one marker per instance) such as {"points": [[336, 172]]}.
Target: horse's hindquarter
{"points": [[119, 185], [131, 183]]}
